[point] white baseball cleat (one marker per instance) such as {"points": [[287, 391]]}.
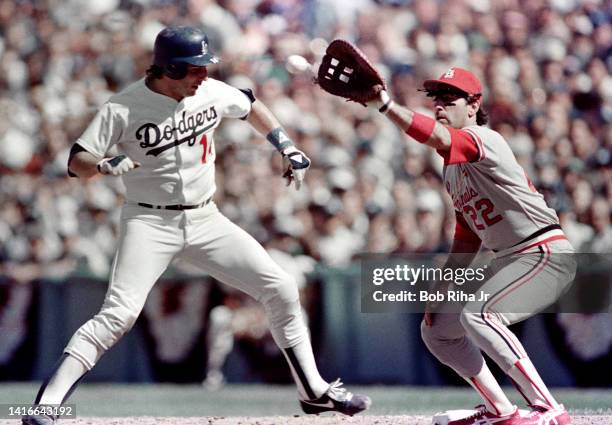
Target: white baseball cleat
{"points": [[479, 416], [444, 418]]}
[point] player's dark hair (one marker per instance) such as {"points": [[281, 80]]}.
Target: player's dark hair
{"points": [[482, 116], [155, 72]]}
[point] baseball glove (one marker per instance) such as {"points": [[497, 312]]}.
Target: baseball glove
{"points": [[346, 72]]}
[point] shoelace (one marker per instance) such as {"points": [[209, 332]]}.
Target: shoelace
{"points": [[338, 393], [543, 412], [481, 409], [535, 412]]}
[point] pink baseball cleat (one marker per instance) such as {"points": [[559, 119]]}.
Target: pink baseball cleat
{"points": [[545, 415]]}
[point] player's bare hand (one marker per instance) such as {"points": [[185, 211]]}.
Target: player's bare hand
{"points": [[296, 163], [117, 165]]}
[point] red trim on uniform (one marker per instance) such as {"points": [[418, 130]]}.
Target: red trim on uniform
{"points": [[463, 148], [483, 152], [519, 389], [524, 372], [545, 241], [479, 145], [493, 323], [525, 279], [421, 128], [484, 395], [506, 334], [463, 231]]}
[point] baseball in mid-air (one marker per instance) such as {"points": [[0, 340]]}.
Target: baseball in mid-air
{"points": [[297, 64]]}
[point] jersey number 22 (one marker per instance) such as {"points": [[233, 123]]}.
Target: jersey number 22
{"points": [[485, 208]]}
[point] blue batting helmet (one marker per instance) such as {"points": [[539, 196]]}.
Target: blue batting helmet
{"points": [[175, 47]]}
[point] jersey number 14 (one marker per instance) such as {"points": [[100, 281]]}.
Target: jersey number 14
{"points": [[208, 148]]}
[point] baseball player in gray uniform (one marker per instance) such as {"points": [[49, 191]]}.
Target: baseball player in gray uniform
{"points": [[163, 126], [496, 206]]}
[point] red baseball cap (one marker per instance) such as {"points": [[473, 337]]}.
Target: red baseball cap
{"points": [[457, 78]]}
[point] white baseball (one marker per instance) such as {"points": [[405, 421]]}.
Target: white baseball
{"points": [[297, 64]]}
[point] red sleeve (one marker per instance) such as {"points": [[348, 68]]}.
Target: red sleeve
{"points": [[466, 146], [463, 231]]}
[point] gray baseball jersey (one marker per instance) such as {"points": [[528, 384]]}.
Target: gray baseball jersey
{"points": [[492, 192]]}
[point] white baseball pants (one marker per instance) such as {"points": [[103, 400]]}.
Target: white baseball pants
{"points": [[151, 238]]}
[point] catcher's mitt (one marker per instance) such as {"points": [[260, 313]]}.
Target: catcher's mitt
{"points": [[346, 72]]}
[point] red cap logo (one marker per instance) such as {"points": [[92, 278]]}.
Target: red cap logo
{"points": [[457, 78]]}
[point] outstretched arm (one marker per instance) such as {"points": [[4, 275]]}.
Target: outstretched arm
{"points": [[262, 120], [422, 128], [345, 71]]}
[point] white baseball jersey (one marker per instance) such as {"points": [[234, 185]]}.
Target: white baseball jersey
{"points": [[173, 141], [492, 191]]}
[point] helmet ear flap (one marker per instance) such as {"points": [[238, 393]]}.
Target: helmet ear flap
{"points": [[176, 71]]}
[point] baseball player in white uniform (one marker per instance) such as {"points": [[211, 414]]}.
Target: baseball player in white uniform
{"points": [[497, 206], [163, 126]]}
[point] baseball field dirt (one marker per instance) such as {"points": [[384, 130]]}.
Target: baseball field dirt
{"points": [[284, 420], [166, 404]]}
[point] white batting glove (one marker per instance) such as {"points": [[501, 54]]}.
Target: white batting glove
{"points": [[116, 165], [297, 163]]}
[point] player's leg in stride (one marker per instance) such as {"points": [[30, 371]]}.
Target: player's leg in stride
{"points": [[237, 259]]}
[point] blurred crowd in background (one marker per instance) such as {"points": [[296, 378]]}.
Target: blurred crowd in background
{"points": [[545, 65]]}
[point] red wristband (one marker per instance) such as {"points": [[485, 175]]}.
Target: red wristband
{"points": [[421, 128]]}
